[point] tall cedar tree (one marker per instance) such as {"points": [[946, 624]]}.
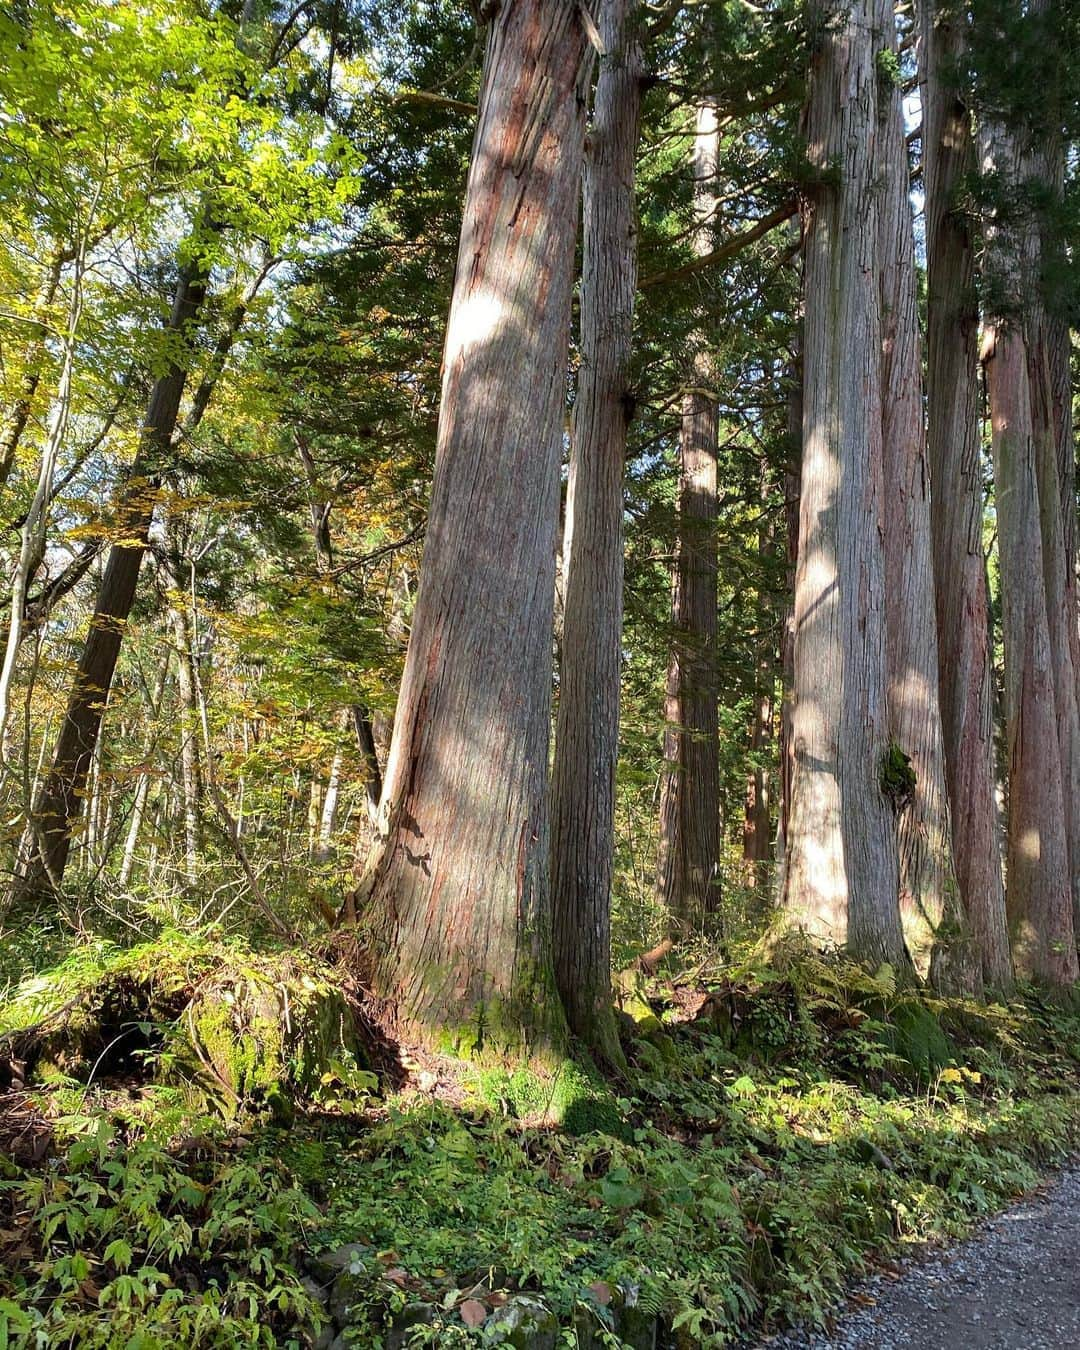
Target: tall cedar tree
{"points": [[934, 925], [1039, 895], [961, 591], [689, 852], [455, 900], [587, 735], [841, 877]]}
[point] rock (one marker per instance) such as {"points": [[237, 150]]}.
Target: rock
{"points": [[636, 1328], [328, 1265], [326, 1338], [412, 1315], [523, 1322], [316, 1290], [348, 1291]]}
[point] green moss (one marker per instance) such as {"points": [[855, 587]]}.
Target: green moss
{"points": [[575, 1099], [896, 776]]}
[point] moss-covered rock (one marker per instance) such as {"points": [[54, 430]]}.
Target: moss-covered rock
{"points": [[232, 1026]]}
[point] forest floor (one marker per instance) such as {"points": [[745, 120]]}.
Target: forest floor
{"points": [[206, 1142], [1013, 1285]]}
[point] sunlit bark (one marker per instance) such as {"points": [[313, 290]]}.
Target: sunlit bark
{"points": [[1039, 898], [935, 927], [587, 736], [455, 903], [841, 879]]}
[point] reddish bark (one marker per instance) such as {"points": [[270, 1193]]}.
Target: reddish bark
{"points": [[455, 903]]}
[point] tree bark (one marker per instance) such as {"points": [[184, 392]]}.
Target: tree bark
{"points": [[935, 928], [142, 787], [190, 769], [587, 737], [35, 357], [841, 880], [58, 806], [792, 489], [1039, 893], [455, 902], [689, 850], [962, 595], [1048, 349]]}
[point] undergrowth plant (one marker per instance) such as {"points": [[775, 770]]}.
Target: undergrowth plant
{"points": [[778, 1128]]}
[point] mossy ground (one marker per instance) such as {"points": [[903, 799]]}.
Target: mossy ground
{"points": [[778, 1128]]}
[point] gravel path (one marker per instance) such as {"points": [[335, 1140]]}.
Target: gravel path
{"points": [[1014, 1285]]}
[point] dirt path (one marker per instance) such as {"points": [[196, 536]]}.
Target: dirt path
{"points": [[1014, 1285]]}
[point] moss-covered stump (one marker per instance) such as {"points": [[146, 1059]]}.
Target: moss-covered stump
{"points": [[232, 1026]]}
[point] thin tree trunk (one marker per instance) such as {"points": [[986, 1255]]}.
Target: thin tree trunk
{"points": [[190, 769], [457, 910], [34, 359], [33, 529], [142, 787], [324, 850], [689, 851], [935, 929], [792, 488], [58, 807], [1039, 894], [962, 594], [320, 505], [365, 743], [757, 814], [587, 736], [841, 880]]}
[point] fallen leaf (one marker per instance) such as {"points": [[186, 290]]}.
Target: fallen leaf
{"points": [[473, 1313], [601, 1292]]}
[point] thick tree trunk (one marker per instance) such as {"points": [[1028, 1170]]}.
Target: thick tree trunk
{"points": [[587, 737], [689, 852], [935, 928], [962, 594], [841, 882], [1039, 894], [58, 807], [456, 907], [1048, 354]]}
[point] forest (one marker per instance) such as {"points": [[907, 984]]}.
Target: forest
{"points": [[539, 660]]}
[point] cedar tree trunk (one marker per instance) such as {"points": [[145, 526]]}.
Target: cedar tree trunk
{"points": [[689, 851], [455, 900], [934, 924], [841, 880], [587, 736], [964, 624]]}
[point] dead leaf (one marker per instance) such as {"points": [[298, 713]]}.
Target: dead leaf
{"points": [[473, 1313], [601, 1292]]}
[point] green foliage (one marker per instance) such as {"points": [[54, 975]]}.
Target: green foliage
{"points": [[131, 1244], [810, 1116]]}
